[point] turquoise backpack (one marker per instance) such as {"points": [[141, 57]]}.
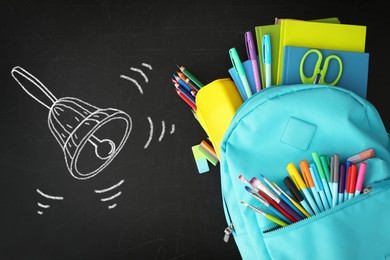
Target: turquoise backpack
{"points": [[284, 124]]}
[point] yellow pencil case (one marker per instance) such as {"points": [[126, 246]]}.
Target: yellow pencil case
{"points": [[217, 102]]}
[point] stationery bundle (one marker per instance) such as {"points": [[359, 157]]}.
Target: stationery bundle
{"points": [[303, 52], [277, 122], [270, 136]]}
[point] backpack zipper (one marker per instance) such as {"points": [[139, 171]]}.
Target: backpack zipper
{"points": [[369, 188], [228, 231], [230, 228]]}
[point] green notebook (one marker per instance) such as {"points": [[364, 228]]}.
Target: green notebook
{"points": [[274, 31]]}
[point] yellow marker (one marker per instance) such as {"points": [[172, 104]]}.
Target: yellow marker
{"points": [[292, 170]]}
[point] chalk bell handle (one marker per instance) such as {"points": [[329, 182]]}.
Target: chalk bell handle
{"points": [[18, 71]]}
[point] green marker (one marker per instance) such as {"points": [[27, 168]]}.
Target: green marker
{"points": [[321, 172], [325, 166], [237, 65]]}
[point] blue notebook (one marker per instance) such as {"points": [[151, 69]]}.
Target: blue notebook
{"points": [[354, 75]]}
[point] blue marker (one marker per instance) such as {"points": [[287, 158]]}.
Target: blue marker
{"points": [[267, 59], [347, 164], [318, 184]]}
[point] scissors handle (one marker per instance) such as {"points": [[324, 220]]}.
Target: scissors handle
{"points": [[325, 69], [310, 79]]}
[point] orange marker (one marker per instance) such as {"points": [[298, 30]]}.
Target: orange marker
{"points": [[304, 166]]}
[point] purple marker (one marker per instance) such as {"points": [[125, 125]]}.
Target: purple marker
{"points": [[341, 183], [252, 56]]}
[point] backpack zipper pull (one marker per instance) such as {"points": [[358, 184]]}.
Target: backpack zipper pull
{"points": [[228, 231], [367, 189]]}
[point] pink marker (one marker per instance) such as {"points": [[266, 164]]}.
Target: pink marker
{"points": [[360, 178], [357, 158]]}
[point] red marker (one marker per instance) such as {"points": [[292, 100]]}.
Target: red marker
{"points": [[352, 172]]}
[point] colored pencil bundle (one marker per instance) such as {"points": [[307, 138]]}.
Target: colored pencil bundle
{"points": [[186, 86]]}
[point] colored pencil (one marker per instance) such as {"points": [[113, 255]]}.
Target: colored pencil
{"points": [[188, 101], [191, 76]]}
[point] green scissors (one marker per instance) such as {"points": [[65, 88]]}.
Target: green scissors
{"points": [[318, 76]]}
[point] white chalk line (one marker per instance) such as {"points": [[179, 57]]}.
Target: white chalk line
{"points": [[49, 196], [110, 188], [134, 81], [39, 212], [112, 206], [112, 197], [147, 66], [63, 132], [172, 129], [150, 133], [140, 72], [43, 205], [162, 131], [34, 81]]}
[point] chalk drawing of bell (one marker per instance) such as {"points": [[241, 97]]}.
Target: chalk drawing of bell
{"points": [[90, 137]]}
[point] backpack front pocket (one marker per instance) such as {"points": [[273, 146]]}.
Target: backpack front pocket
{"points": [[356, 229]]}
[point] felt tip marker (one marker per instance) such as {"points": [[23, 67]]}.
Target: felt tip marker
{"points": [[297, 194], [341, 183], [326, 167], [321, 173], [267, 59], [237, 65], [352, 173], [252, 56], [318, 184], [335, 181], [360, 178], [304, 166], [347, 165], [292, 170]]}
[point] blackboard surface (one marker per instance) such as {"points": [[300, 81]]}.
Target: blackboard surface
{"points": [[149, 202]]}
